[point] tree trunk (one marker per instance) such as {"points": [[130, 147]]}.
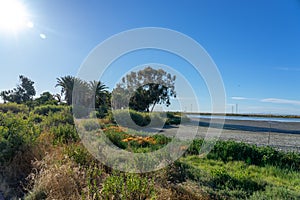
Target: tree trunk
{"points": [[153, 105]]}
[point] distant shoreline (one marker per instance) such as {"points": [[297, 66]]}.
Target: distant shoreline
{"points": [[243, 115]]}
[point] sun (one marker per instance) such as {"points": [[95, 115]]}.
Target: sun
{"points": [[13, 15]]}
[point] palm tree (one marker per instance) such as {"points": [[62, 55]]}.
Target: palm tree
{"points": [[99, 91], [84, 90], [67, 84]]}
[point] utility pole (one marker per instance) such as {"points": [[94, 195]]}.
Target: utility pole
{"points": [[236, 108]]}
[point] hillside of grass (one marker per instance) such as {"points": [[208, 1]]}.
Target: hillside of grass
{"points": [[42, 157]]}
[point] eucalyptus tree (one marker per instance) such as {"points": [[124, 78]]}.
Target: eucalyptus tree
{"points": [[144, 89]]}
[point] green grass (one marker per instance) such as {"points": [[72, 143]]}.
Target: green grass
{"points": [[251, 154], [239, 180]]}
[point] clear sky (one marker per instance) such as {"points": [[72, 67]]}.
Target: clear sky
{"points": [[255, 44]]}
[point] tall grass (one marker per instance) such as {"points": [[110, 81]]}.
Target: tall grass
{"points": [[238, 180], [251, 154]]}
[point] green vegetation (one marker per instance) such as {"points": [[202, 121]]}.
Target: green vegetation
{"points": [[251, 154], [41, 157], [46, 109], [142, 90], [15, 133], [239, 180], [128, 186], [129, 118], [227, 151], [134, 141], [23, 93], [40, 151], [14, 108]]}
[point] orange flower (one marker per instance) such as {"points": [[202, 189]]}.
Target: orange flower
{"points": [[140, 139]]}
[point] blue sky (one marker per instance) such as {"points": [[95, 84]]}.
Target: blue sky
{"points": [[255, 44]]}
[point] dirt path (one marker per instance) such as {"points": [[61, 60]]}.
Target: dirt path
{"points": [[281, 135]]}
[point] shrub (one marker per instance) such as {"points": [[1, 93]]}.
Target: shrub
{"points": [[62, 117], [14, 108], [128, 186], [15, 132], [64, 133], [102, 111], [80, 111], [148, 144], [90, 124], [135, 141], [35, 118], [176, 118], [161, 139], [195, 147], [116, 136], [45, 109], [93, 114], [79, 154], [137, 118]]}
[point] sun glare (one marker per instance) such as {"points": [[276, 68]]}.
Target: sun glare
{"points": [[13, 15]]}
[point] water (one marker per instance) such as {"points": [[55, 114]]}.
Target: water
{"points": [[243, 118]]}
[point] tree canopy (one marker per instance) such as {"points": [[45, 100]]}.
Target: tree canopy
{"points": [[23, 93], [46, 98], [144, 89]]}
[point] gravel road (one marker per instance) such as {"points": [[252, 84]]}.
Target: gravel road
{"points": [[281, 135]]}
